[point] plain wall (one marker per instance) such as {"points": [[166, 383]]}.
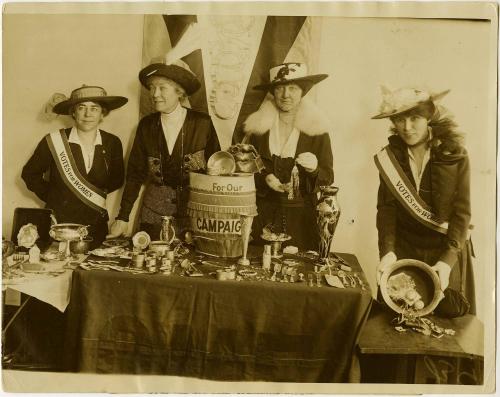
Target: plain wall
{"points": [[44, 54]]}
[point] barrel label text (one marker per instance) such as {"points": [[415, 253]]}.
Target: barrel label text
{"points": [[229, 187], [218, 225]]}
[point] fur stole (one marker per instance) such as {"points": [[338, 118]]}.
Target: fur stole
{"points": [[309, 119]]}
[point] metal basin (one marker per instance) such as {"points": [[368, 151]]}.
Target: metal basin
{"points": [[68, 231]]}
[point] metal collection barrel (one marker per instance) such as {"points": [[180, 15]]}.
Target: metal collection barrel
{"points": [[214, 207]]}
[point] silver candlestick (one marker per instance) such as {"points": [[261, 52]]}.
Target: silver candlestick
{"points": [[246, 227]]}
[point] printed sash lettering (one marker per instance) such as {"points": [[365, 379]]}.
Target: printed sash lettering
{"points": [[403, 190], [83, 189]]}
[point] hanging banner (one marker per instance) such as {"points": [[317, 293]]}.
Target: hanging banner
{"points": [[230, 55], [229, 46]]}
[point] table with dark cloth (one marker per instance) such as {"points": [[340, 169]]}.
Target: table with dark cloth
{"points": [[222, 330]]}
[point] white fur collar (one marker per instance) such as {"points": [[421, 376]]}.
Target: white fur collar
{"points": [[309, 119]]}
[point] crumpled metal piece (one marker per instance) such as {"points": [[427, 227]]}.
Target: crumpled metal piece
{"points": [[422, 325]]}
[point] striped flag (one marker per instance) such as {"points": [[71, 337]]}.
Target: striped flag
{"points": [[230, 55]]}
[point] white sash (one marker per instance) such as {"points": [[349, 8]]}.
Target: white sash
{"points": [[403, 190], [88, 193]]}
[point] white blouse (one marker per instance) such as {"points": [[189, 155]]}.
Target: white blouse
{"points": [[417, 176], [279, 148], [88, 156], [172, 124]]}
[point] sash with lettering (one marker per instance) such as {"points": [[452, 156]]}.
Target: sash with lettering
{"points": [[401, 187], [74, 180]]}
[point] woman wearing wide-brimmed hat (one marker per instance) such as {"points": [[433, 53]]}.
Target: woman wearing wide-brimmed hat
{"points": [[423, 208], [84, 163], [163, 141], [292, 136]]}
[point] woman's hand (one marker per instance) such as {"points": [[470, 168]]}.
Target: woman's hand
{"points": [[274, 183], [118, 228], [443, 270], [308, 161], [387, 260]]}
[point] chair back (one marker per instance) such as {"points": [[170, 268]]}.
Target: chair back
{"points": [[41, 217]]}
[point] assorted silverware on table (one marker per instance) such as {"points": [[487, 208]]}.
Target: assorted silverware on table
{"points": [[335, 271]]}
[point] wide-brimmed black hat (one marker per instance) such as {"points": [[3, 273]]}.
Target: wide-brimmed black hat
{"points": [[288, 73], [404, 100], [182, 76], [90, 94]]}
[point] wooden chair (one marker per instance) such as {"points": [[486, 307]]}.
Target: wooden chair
{"points": [[41, 217]]}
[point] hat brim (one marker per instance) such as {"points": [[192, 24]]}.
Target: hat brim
{"points": [[181, 76], [108, 102], [314, 79], [405, 109]]}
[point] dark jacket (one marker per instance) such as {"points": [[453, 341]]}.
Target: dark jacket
{"points": [[314, 137], [274, 208], [445, 187], [107, 173], [319, 145], [150, 161]]}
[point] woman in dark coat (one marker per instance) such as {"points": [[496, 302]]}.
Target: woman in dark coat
{"points": [[428, 153], [168, 144], [83, 163], [292, 137]]}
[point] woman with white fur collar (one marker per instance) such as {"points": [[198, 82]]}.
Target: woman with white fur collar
{"points": [[292, 136]]}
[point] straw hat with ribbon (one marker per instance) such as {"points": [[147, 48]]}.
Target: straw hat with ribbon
{"points": [[90, 94], [288, 73], [404, 100]]}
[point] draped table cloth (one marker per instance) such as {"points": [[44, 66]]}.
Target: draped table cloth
{"points": [[221, 330]]}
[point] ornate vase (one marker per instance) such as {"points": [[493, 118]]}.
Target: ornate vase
{"points": [[327, 217]]}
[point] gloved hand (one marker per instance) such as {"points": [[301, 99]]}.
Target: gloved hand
{"points": [[387, 260], [274, 183], [307, 160], [118, 228], [443, 270]]}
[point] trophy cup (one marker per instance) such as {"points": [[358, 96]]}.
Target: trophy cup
{"points": [[167, 233], [67, 232]]}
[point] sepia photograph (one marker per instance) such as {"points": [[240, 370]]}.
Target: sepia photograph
{"points": [[238, 197]]}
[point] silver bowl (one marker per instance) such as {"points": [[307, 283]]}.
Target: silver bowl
{"points": [[426, 282], [221, 163], [68, 231]]}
